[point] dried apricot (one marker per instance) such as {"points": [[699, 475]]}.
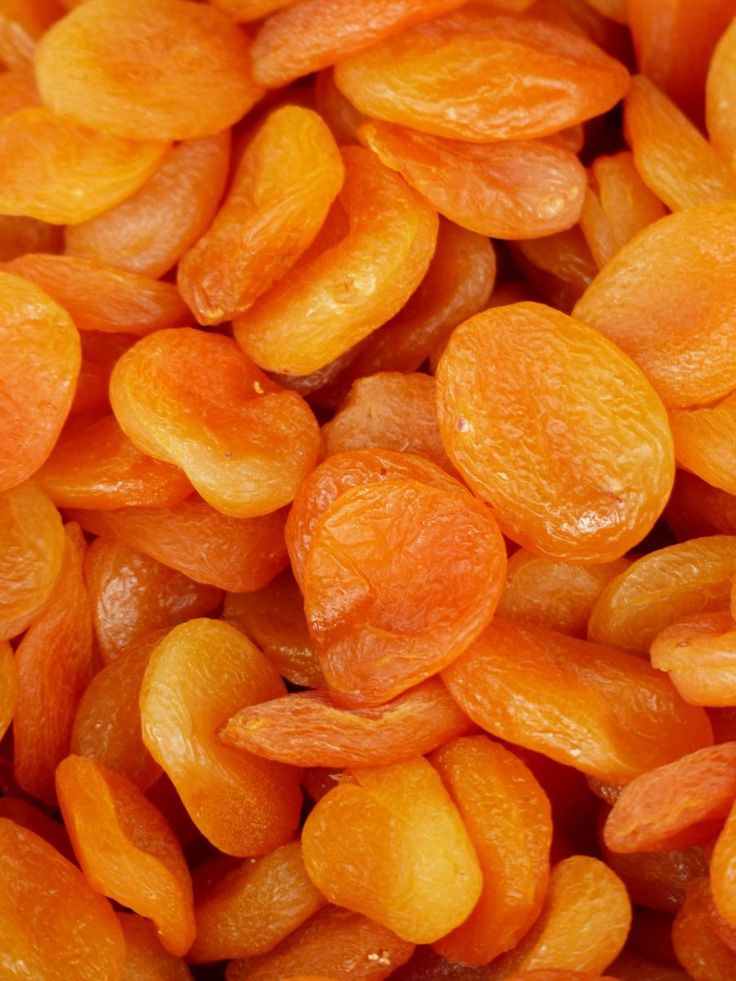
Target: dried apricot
{"points": [[698, 947], [145, 958], [699, 655], [703, 445]]}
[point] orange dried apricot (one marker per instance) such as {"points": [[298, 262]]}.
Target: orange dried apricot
{"points": [[100, 351], [699, 949], [691, 577], [657, 880], [554, 593], [377, 627], [560, 267], [172, 70], [194, 400], [506, 190], [200, 674], [22, 22], [61, 173], [404, 810], [288, 177], [697, 509], [508, 818], [8, 686], [311, 729], [54, 663], [17, 89], [31, 817], [719, 95], [95, 465], [337, 294], [40, 358], [721, 870], [615, 717], [132, 594], [703, 445], [699, 655], [664, 300], [50, 918], [254, 907], [150, 230], [426, 78], [237, 554], [580, 485], [31, 554], [673, 806], [145, 958]]}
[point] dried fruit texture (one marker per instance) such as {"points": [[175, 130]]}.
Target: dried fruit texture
{"points": [[311, 729], [192, 74], [704, 442], [554, 593], [560, 267], [665, 300], [152, 229], [40, 358], [194, 400], [506, 190], [698, 947], [107, 725], [442, 78], [8, 685], [339, 474], [699, 654], [132, 594], [245, 10], [59, 172], [95, 465], [17, 89], [32, 546], [197, 678], [27, 815], [670, 153], [683, 803], [721, 870], [254, 907], [583, 924], [335, 942], [617, 206], [50, 917], [457, 285], [508, 818], [377, 628], [100, 351], [420, 877], [288, 177], [719, 96], [722, 928], [658, 880], [337, 294], [691, 577], [237, 554], [22, 22], [145, 958], [340, 115], [389, 411], [674, 40], [273, 617], [615, 717], [582, 485], [126, 849], [698, 509], [99, 297], [314, 34], [54, 664]]}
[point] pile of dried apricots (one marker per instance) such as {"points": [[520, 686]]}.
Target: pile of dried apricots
{"points": [[368, 490]]}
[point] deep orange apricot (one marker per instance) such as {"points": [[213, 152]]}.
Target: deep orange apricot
{"points": [[145, 958], [699, 949], [699, 655]]}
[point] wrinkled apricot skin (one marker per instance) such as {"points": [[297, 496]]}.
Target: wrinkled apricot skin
{"points": [[63, 174], [376, 631], [699, 655], [719, 96], [192, 69], [698, 947], [506, 190], [197, 678], [54, 662], [423, 77], [508, 818], [145, 958], [664, 299], [609, 472], [194, 400], [334, 297], [559, 267], [288, 177], [703, 442], [615, 716], [657, 881], [397, 808], [251, 909], [153, 228], [675, 806], [310, 729], [40, 359], [42, 887], [691, 577]]}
